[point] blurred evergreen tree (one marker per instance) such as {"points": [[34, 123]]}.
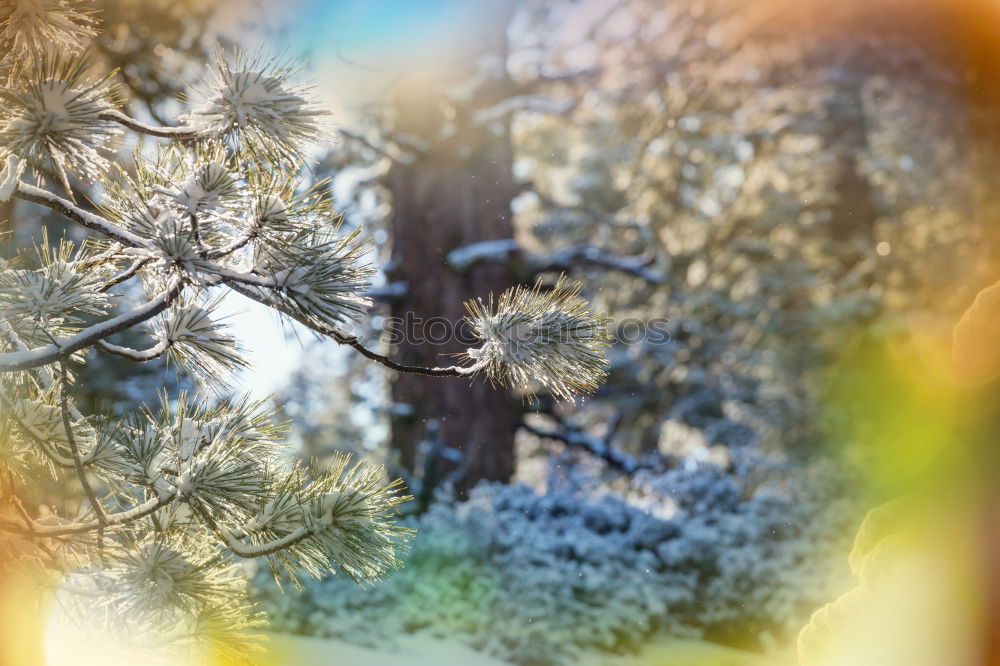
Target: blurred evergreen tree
{"points": [[772, 178]]}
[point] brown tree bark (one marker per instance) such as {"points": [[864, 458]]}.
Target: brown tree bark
{"points": [[854, 211], [456, 192]]}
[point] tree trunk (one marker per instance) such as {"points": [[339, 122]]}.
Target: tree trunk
{"points": [[853, 213], [456, 192]]}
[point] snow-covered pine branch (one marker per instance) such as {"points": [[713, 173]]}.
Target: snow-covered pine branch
{"points": [[546, 337], [175, 496]]}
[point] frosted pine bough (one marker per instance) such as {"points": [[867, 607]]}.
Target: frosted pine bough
{"points": [[252, 99], [52, 117], [29, 27], [162, 506], [548, 337]]}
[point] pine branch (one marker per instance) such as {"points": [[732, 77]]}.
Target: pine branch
{"points": [[593, 445], [77, 461], [268, 548], [226, 250], [182, 132], [352, 341], [196, 233], [84, 218], [227, 209], [506, 249], [140, 356], [126, 275], [563, 260], [33, 358], [41, 530], [378, 150], [233, 279]]}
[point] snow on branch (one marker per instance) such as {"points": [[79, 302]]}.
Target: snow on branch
{"points": [[181, 132], [563, 260], [174, 494], [499, 250], [141, 356], [71, 212], [33, 358], [57, 528], [506, 249], [524, 103]]}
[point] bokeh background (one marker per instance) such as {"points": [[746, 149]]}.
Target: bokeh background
{"points": [[785, 208]]}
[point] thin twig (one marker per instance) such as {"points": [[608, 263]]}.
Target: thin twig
{"points": [[112, 520], [252, 551], [196, 232], [232, 247], [28, 522], [506, 249], [138, 355], [181, 133], [128, 274], [596, 447], [378, 150], [352, 340], [80, 216], [77, 460]]}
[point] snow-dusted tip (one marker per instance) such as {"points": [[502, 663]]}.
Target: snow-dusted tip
{"points": [[552, 338], [255, 102], [52, 118], [197, 342], [32, 28]]}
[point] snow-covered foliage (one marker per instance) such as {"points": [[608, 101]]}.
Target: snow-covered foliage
{"points": [[28, 27], [53, 118], [251, 100], [547, 337], [537, 578], [164, 504]]}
